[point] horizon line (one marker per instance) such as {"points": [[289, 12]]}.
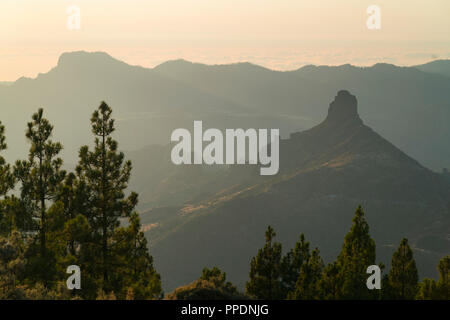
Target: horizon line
{"points": [[11, 82]]}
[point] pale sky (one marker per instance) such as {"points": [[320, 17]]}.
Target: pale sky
{"points": [[279, 34]]}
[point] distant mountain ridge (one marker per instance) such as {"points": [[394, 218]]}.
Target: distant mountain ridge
{"points": [[393, 98], [408, 106], [438, 66]]}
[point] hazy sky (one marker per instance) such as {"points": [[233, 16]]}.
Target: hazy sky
{"points": [[279, 34]]}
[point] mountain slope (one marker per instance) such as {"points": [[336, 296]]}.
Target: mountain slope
{"points": [[326, 172]]}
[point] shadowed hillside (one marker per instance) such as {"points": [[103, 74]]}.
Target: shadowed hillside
{"points": [[326, 172]]}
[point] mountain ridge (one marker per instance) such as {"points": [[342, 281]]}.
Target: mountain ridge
{"points": [[82, 56]]}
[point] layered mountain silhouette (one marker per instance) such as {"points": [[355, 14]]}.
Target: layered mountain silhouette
{"points": [[402, 103], [199, 216], [408, 106], [325, 173]]}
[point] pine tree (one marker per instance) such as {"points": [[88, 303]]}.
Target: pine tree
{"points": [[106, 175], [219, 279], [358, 252], [6, 178], [403, 276], [40, 177], [68, 240], [307, 285], [429, 289], [265, 271], [443, 283], [13, 216], [69, 224], [212, 285], [12, 263], [6, 183], [291, 264], [71, 236], [328, 284], [134, 264]]}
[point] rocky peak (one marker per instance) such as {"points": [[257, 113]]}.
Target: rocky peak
{"points": [[344, 108]]}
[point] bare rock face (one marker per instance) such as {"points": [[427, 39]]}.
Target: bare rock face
{"points": [[344, 108]]}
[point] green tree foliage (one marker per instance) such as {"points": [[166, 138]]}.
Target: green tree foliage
{"points": [[134, 265], [307, 285], [41, 174], [427, 290], [69, 240], [7, 219], [444, 278], [12, 271], [265, 271], [358, 252], [14, 216], [12, 263], [211, 285], [291, 264], [82, 218], [72, 199], [40, 177], [328, 284], [103, 176], [430, 289], [106, 296], [106, 174], [70, 233], [42, 292], [6, 178], [403, 277]]}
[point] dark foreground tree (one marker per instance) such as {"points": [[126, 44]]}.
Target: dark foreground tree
{"points": [[429, 289], [307, 285], [6, 184], [265, 271], [40, 177], [443, 283], [12, 263], [135, 274], [403, 277], [328, 285], [291, 264], [212, 285], [105, 173], [6, 178], [358, 252]]}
